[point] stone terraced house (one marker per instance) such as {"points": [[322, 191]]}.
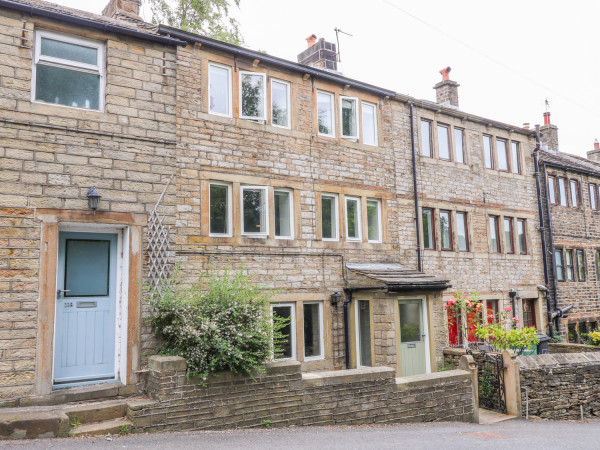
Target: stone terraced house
{"points": [[571, 212], [365, 208]]}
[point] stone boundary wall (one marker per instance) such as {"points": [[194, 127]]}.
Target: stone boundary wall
{"points": [[284, 396], [558, 385], [562, 347]]}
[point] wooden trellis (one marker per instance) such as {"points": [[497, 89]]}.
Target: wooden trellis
{"points": [[160, 265]]}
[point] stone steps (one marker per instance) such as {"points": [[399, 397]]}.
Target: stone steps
{"points": [[75, 419], [119, 425]]}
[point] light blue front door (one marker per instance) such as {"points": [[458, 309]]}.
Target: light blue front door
{"points": [[85, 307]]}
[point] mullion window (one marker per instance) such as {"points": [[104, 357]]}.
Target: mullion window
{"points": [[574, 193], [444, 151], [570, 265], [502, 152], [516, 157], [593, 199], [508, 235], [562, 192], [284, 217], [459, 144], [522, 236], [552, 190], [446, 230], [487, 152], [494, 235], [428, 229], [462, 231], [426, 138], [581, 266], [560, 264]]}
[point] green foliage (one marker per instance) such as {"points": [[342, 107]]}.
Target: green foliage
{"points": [[594, 337], [556, 337], [266, 423], [123, 430], [206, 17], [502, 338], [218, 323]]}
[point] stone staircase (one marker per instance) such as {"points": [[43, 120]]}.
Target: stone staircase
{"points": [[70, 419]]}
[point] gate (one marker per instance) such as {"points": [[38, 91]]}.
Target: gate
{"points": [[490, 374]]}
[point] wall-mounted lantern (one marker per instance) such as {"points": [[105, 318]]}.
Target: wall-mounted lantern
{"points": [[93, 199], [335, 299]]}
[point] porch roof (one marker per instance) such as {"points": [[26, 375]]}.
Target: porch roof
{"points": [[395, 278]]}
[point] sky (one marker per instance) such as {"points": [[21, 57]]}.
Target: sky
{"points": [[509, 57]]}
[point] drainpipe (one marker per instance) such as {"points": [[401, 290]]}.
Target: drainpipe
{"points": [[542, 230], [415, 189], [348, 293]]}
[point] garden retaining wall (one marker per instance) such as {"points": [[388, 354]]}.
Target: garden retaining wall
{"points": [[561, 386], [563, 347], [284, 396]]}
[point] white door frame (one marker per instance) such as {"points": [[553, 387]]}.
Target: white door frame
{"points": [[122, 296], [425, 317]]}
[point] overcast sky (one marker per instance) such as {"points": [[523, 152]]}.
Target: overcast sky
{"points": [[508, 56]]}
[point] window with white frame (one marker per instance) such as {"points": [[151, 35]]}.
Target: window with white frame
{"points": [[329, 217], [252, 95], [369, 123], [219, 90], [219, 209], [280, 103], [288, 346], [313, 330], [284, 216], [487, 152], [68, 71], [254, 211], [426, 138], [325, 114], [349, 117], [374, 220], [353, 224], [443, 133]]}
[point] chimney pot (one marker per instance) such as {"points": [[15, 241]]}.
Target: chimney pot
{"points": [[311, 40], [526, 125], [445, 73], [320, 53], [547, 118], [596, 144]]}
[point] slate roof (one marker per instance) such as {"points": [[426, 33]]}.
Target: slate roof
{"points": [[131, 24], [397, 278], [571, 162]]}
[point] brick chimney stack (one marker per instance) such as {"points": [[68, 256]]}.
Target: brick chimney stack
{"points": [[446, 91], [320, 54], [123, 9], [594, 155], [549, 134]]}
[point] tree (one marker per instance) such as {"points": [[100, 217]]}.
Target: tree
{"points": [[207, 17]]}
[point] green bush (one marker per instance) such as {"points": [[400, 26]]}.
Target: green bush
{"points": [[218, 323], [594, 337]]}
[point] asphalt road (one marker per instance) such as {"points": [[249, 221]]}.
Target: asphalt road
{"points": [[514, 434]]}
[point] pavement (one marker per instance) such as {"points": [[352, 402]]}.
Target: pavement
{"points": [[512, 434]]}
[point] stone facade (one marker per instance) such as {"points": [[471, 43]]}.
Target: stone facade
{"points": [[157, 121], [575, 227], [51, 155], [283, 396]]}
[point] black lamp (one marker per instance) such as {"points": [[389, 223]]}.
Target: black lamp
{"points": [[335, 298], [93, 199]]}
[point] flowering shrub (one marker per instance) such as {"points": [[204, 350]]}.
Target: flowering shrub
{"points": [[500, 338], [594, 337], [459, 304], [218, 323]]}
